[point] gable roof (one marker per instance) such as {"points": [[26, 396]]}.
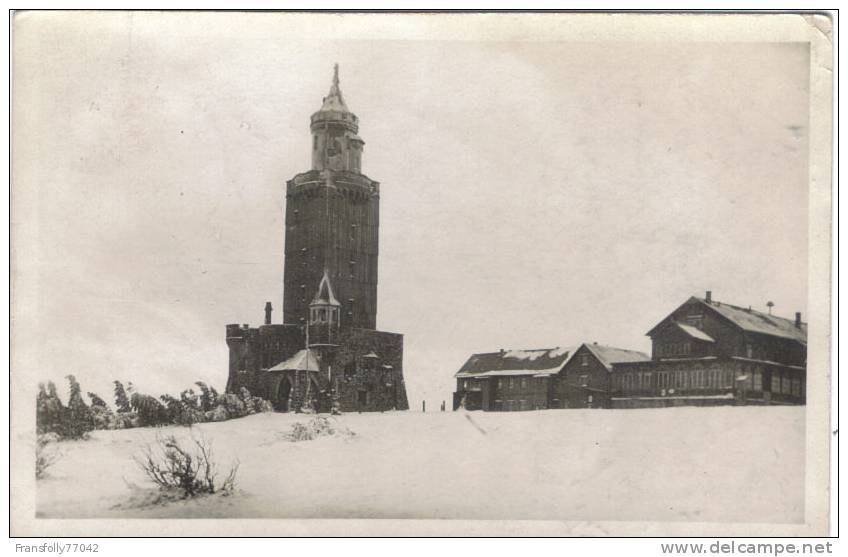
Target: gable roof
{"points": [[749, 320], [609, 355], [304, 359], [542, 361]]}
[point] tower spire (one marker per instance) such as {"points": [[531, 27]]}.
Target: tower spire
{"points": [[334, 99]]}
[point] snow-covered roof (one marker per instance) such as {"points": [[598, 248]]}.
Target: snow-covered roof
{"points": [[511, 372], [544, 361], [325, 296], [694, 332], [609, 355], [758, 322], [748, 319], [304, 360]]}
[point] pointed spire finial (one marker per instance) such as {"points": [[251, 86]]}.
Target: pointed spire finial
{"points": [[334, 99]]}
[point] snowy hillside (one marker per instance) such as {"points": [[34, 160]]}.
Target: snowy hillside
{"points": [[690, 464]]}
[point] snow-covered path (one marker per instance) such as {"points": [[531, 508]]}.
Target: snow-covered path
{"points": [[725, 464]]}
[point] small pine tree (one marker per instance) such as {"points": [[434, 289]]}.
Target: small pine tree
{"points": [[208, 396], [77, 420], [190, 399], [150, 411], [102, 415], [122, 402], [49, 409], [97, 401]]}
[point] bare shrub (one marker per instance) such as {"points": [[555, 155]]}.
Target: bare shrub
{"points": [[46, 453], [189, 468]]}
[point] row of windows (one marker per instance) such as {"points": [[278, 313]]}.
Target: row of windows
{"points": [[506, 383], [519, 382], [517, 405], [749, 378], [695, 379], [674, 349], [786, 385]]}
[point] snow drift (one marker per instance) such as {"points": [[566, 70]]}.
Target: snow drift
{"points": [[724, 464]]}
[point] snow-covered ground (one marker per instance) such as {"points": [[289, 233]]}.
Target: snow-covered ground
{"points": [[739, 464]]}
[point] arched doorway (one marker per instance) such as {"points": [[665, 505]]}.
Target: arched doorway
{"points": [[281, 401]]}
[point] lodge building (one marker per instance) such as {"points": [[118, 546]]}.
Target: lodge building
{"points": [[703, 353], [708, 352], [514, 380]]}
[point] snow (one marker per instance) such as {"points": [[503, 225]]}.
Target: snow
{"points": [[525, 354], [695, 332], [560, 351], [720, 464], [508, 372]]}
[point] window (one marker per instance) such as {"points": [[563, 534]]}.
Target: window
{"points": [[749, 351], [465, 384], [696, 320], [500, 383], [775, 383], [796, 387], [646, 380], [786, 385], [584, 360], [584, 380], [523, 382], [758, 380]]}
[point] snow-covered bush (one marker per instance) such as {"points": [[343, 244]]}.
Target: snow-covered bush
{"points": [[314, 428], [217, 414], [208, 396], [187, 467], [261, 405], [234, 405], [150, 411], [46, 453]]}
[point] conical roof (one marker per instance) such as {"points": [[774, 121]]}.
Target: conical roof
{"points": [[325, 296], [334, 99]]}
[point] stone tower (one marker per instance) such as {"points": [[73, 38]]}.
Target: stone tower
{"points": [[332, 220]]}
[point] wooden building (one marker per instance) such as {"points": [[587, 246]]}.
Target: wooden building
{"points": [[513, 380], [708, 352], [585, 379]]}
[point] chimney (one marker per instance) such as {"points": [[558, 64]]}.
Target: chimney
{"points": [[502, 351], [709, 296], [268, 310], [798, 319]]}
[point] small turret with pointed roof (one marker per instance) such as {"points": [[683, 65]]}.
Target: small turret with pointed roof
{"points": [[323, 314]]}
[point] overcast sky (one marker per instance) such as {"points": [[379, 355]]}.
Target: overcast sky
{"points": [[533, 194]]}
